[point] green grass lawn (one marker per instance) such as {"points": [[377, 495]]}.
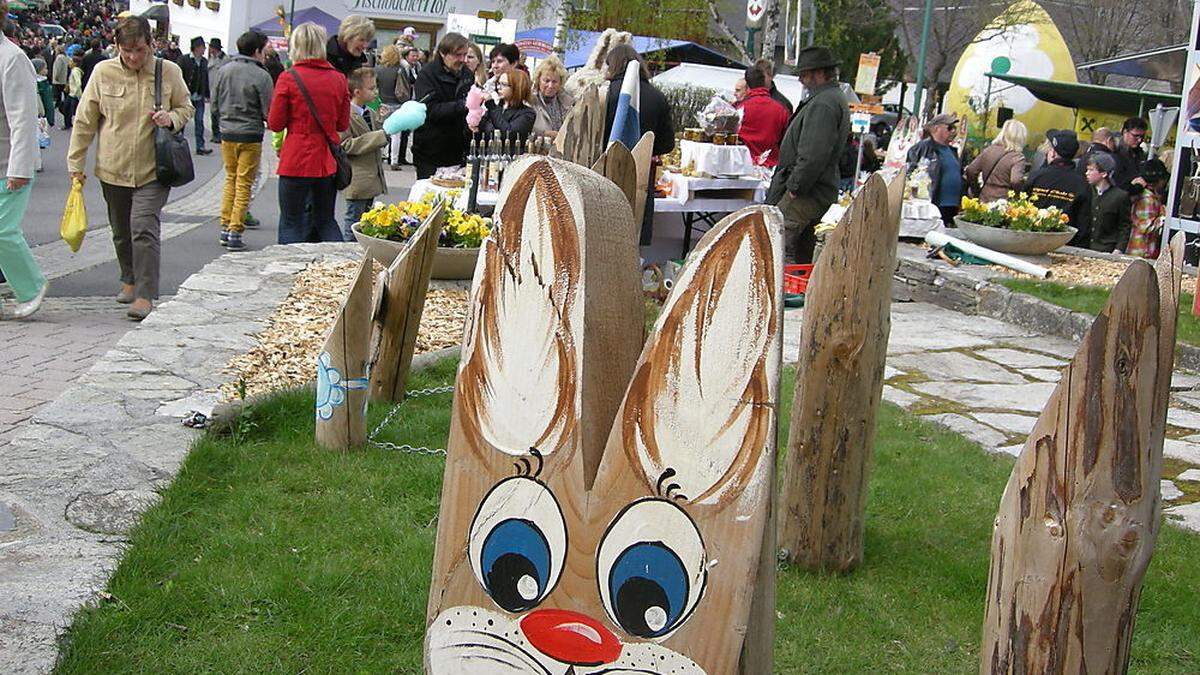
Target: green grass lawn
{"points": [[273, 555], [1091, 299]]}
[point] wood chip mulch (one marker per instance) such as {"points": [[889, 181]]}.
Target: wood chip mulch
{"points": [[1076, 270], [287, 350]]}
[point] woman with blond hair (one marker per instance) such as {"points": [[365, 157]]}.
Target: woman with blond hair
{"points": [[347, 50], [473, 62], [1001, 166], [394, 89], [550, 102], [306, 164]]}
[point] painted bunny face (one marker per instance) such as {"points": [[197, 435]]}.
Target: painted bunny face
{"points": [[602, 512]]}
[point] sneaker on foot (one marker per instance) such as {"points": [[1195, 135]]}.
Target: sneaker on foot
{"points": [[234, 242], [224, 237], [249, 220], [21, 310], [203, 151]]}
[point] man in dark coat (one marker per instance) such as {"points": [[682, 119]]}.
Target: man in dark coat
{"points": [[195, 74], [1057, 184], [942, 164], [95, 55], [1129, 156], [442, 140], [805, 183]]}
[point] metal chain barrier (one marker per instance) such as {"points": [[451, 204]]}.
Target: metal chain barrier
{"points": [[405, 447]]}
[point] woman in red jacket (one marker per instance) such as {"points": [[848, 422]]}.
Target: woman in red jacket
{"points": [[306, 166], [764, 120]]}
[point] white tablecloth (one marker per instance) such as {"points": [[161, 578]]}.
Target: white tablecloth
{"points": [[423, 186], [716, 160], [687, 192]]}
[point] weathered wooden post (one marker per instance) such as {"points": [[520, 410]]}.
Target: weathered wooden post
{"points": [[342, 369], [616, 163], [581, 138], [839, 382], [546, 565], [1080, 515], [402, 288]]}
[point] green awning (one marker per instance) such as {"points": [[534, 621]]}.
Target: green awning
{"points": [[1091, 96]]}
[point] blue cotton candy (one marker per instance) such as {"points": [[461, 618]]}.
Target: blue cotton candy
{"points": [[410, 116]]}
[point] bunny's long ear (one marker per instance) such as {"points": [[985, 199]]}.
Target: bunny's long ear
{"points": [[701, 402], [520, 376]]}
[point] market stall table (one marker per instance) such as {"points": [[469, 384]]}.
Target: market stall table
{"points": [[705, 200]]}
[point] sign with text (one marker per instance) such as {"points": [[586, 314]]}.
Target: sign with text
{"points": [[755, 9], [469, 24], [859, 122], [423, 9], [868, 72], [488, 40]]}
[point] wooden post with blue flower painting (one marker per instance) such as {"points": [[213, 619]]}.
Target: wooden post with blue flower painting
{"points": [[342, 369]]}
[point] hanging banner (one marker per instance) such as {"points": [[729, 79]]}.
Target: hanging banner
{"points": [[755, 9], [868, 73]]}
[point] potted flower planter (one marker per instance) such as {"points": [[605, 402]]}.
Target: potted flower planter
{"points": [[448, 263], [455, 263], [1017, 242]]}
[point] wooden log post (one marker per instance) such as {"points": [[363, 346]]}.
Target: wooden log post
{"points": [[581, 138], [402, 288], [839, 382], [1080, 515], [342, 369], [643, 159]]}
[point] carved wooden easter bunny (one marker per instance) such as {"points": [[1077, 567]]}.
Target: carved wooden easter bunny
{"points": [[603, 513]]}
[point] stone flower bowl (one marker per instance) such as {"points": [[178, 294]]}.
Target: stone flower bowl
{"points": [[1013, 241], [449, 263]]}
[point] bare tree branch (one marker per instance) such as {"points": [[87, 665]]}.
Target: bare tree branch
{"points": [[726, 32]]}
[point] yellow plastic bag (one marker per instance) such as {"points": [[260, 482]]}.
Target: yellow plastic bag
{"points": [[74, 220]]}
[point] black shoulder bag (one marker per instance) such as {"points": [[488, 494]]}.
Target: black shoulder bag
{"points": [[172, 155], [343, 175]]}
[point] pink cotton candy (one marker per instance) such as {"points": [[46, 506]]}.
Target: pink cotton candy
{"points": [[475, 99]]}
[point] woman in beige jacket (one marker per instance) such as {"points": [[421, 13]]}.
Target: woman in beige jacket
{"points": [[1001, 165], [117, 111]]}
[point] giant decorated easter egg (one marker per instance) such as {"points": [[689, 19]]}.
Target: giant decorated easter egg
{"points": [[1024, 41]]}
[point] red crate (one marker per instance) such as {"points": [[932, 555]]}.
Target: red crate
{"points": [[795, 278]]}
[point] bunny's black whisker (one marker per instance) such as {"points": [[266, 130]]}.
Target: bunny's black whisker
{"points": [[672, 488], [680, 497], [658, 487], [527, 468]]}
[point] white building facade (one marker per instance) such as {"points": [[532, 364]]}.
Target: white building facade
{"points": [[227, 19]]}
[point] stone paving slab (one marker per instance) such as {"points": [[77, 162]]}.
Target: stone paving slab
{"points": [[76, 475]]}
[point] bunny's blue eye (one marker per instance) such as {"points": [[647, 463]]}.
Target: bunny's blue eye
{"points": [[516, 564], [651, 568], [518, 542], [649, 588]]}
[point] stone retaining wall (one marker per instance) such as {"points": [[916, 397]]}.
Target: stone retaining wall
{"points": [[970, 290]]}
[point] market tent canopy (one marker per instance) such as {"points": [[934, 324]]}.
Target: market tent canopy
{"points": [[580, 42], [722, 79], [1090, 96], [1164, 63], [324, 19]]}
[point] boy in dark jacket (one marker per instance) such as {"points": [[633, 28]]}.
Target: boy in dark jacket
{"points": [[1109, 206]]}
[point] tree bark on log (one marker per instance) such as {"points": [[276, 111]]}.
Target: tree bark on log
{"points": [[1080, 515], [839, 381]]}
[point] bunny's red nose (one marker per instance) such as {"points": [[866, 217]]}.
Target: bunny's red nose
{"points": [[571, 637]]}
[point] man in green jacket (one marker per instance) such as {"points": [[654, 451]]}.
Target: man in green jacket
{"points": [[806, 181]]}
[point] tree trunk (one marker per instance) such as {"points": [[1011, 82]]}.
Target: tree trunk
{"points": [[839, 381], [726, 33], [770, 31], [1080, 515]]}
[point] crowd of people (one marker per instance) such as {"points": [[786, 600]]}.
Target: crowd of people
{"points": [[1112, 192]]}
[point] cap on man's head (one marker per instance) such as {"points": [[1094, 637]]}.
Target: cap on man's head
{"points": [[1104, 162], [1065, 143], [948, 119]]}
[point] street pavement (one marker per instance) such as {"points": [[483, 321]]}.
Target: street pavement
{"points": [[80, 321]]}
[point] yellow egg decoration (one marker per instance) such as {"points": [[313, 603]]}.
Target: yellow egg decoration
{"points": [[1024, 41]]}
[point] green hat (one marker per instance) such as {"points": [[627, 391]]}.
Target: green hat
{"points": [[813, 58]]}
